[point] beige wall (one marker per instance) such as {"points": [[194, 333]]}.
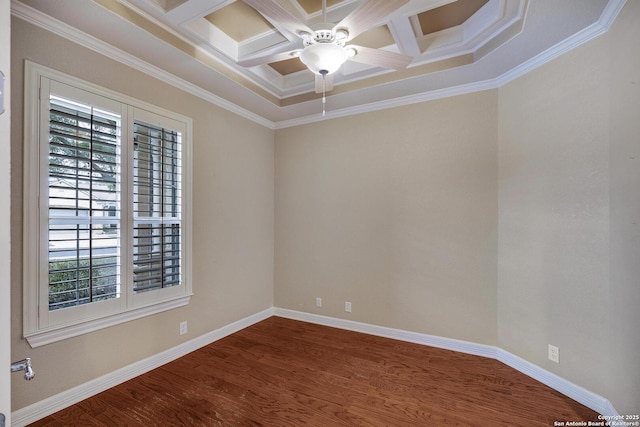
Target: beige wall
{"points": [[554, 216], [569, 263], [232, 217], [624, 154], [396, 212]]}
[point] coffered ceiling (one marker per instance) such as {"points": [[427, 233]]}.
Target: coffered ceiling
{"points": [[456, 46]]}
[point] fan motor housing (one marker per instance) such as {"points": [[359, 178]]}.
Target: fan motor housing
{"points": [[324, 33]]}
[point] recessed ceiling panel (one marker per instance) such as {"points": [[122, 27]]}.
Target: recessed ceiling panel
{"points": [[239, 21], [375, 38], [312, 6], [288, 66], [170, 4], [167, 5], [450, 15]]}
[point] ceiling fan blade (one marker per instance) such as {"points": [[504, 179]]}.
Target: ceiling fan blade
{"points": [[267, 59], [327, 82], [278, 16], [369, 13], [380, 58]]}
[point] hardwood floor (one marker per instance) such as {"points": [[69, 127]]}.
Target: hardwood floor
{"points": [[282, 372]]}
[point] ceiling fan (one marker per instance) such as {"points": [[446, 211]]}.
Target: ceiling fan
{"points": [[325, 46]]}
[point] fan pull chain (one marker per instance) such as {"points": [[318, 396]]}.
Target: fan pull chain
{"points": [[324, 73], [324, 94]]}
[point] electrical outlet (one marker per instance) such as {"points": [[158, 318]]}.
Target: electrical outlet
{"points": [[347, 306], [318, 302], [183, 327], [554, 353]]}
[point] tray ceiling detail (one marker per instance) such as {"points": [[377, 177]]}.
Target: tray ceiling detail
{"points": [[455, 45], [427, 30]]}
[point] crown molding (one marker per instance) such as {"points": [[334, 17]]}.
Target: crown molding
{"points": [[46, 22], [391, 103], [55, 26], [598, 28], [608, 16]]}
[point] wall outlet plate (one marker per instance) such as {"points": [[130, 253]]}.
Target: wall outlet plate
{"points": [[318, 302], [183, 327], [347, 306], [554, 353]]}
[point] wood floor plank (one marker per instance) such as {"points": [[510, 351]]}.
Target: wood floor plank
{"points": [[282, 372], [106, 414]]}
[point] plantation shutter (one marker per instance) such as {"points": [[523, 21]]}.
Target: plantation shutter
{"points": [[83, 204], [157, 186], [107, 218]]}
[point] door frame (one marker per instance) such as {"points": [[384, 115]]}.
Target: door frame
{"points": [[5, 248]]}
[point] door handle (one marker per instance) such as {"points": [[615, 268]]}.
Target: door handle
{"points": [[24, 365]]}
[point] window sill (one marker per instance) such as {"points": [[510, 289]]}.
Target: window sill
{"points": [[40, 338]]}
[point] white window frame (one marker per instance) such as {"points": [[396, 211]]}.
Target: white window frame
{"points": [[41, 327]]}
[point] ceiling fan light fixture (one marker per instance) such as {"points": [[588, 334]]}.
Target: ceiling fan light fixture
{"points": [[324, 58]]}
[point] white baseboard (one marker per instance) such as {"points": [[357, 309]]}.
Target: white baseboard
{"points": [[575, 392], [398, 334], [569, 389], [50, 405]]}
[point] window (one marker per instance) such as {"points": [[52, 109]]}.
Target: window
{"points": [[83, 197], [156, 205], [106, 193]]}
